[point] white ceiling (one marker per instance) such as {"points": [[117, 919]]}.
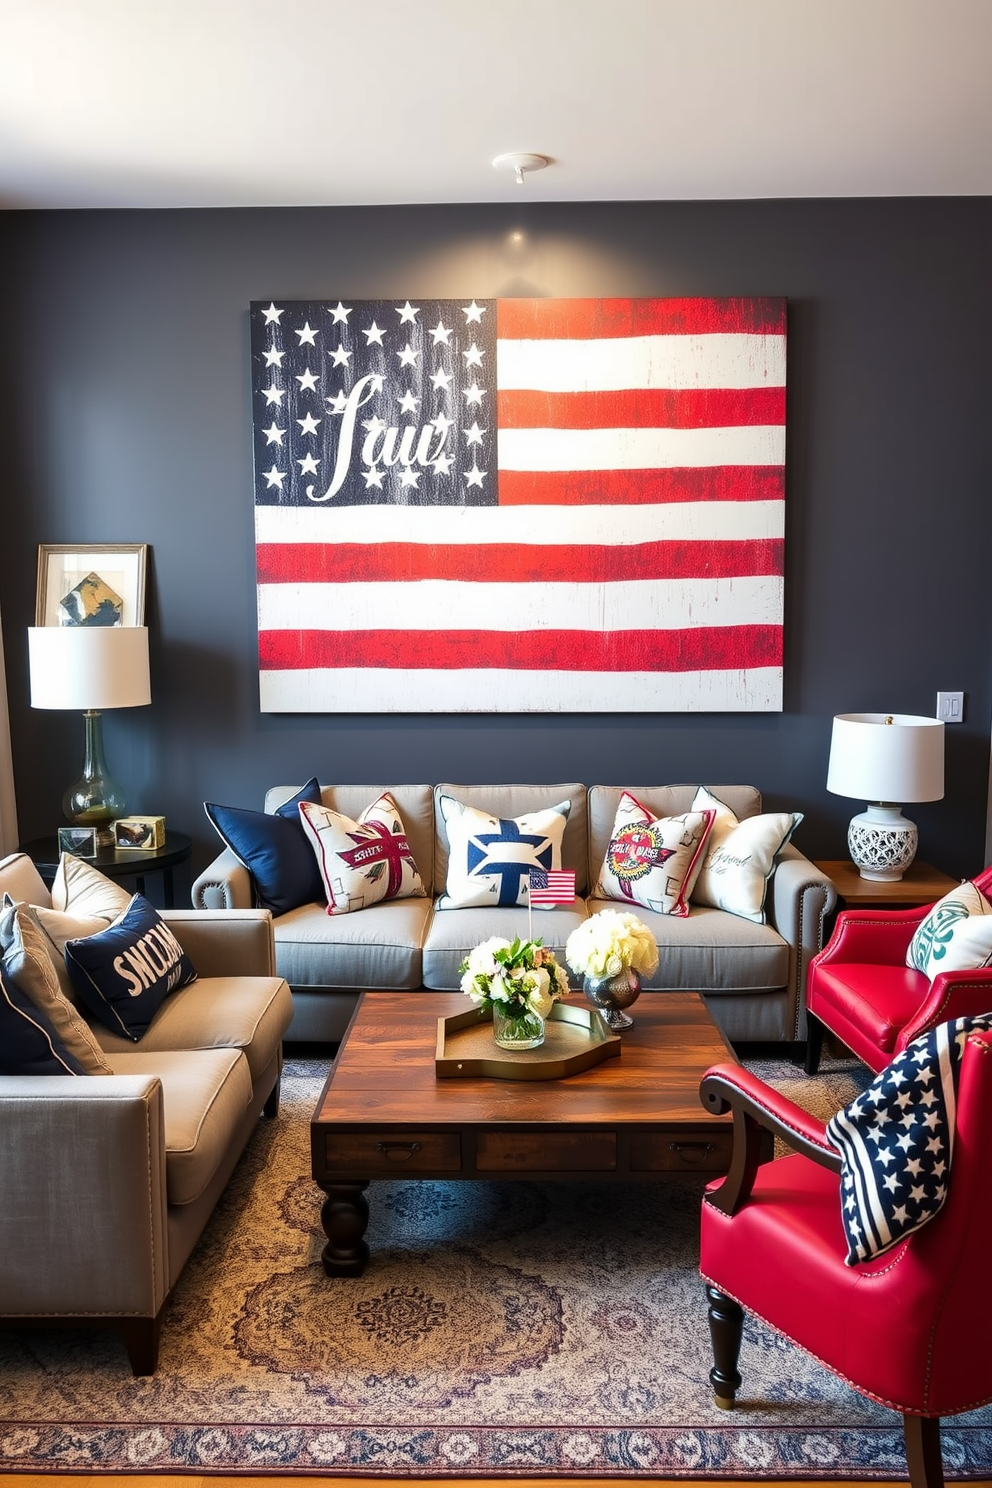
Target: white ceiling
{"points": [[173, 103]]}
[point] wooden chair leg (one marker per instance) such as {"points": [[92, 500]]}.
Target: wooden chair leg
{"points": [[922, 1437], [271, 1108], [814, 1043], [726, 1329], [141, 1339]]}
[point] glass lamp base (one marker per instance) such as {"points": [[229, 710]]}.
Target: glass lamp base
{"points": [[95, 799]]}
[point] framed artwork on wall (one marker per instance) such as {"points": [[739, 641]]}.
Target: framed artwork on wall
{"points": [[99, 584], [521, 505]]}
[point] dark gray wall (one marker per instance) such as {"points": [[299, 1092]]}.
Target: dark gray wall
{"points": [[124, 416]]}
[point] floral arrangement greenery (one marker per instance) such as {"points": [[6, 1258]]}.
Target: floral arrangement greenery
{"points": [[521, 975], [608, 942]]}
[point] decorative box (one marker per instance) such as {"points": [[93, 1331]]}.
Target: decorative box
{"points": [[144, 832]]}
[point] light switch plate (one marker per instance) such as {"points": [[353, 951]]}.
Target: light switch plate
{"points": [[950, 707]]}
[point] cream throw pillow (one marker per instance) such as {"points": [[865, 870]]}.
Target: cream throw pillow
{"points": [[490, 857], [955, 936], [740, 856], [653, 860], [361, 862], [83, 890]]}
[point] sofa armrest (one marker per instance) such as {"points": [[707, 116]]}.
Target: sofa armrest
{"points": [[224, 884], [800, 897], [225, 942], [82, 1173]]}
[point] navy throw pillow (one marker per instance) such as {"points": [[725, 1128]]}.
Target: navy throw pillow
{"points": [[124, 973], [29, 1044], [274, 849]]}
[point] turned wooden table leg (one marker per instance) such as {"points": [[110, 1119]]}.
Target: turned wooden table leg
{"points": [[726, 1330], [345, 1216]]}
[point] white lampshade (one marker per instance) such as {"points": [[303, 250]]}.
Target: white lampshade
{"points": [[89, 666], [886, 757]]}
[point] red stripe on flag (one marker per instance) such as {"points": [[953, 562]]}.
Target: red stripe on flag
{"points": [[502, 563], [592, 319], [641, 487], [642, 408], [720, 648]]}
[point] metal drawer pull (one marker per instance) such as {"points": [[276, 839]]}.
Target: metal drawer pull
{"points": [[397, 1151], [692, 1153]]}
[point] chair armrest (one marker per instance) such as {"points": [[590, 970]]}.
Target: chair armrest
{"points": [[756, 1108], [800, 896], [953, 994], [224, 884], [225, 942], [876, 937], [82, 1173]]}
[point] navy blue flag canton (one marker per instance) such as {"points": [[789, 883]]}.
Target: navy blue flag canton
{"points": [[374, 402], [896, 1141]]}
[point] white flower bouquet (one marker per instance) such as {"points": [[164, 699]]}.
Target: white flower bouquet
{"points": [[610, 942], [521, 976]]}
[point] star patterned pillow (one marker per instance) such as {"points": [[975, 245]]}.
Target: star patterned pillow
{"points": [[361, 862], [490, 857], [653, 861]]}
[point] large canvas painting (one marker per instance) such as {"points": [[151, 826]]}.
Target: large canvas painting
{"points": [[519, 505]]}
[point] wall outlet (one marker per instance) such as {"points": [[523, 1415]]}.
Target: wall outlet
{"points": [[950, 707]]}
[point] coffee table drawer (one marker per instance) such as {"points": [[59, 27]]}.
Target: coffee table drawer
{"points": [[682, 1152], [396, 1152], [546, 1152]]}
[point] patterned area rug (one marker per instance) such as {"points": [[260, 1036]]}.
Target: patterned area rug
{"points": [[503, 1328]]}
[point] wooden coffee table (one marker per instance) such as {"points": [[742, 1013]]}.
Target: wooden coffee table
{"points": [[384, 1114]]}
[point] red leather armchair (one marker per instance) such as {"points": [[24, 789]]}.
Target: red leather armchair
{"points": [[860, 987], [905, 1328]]}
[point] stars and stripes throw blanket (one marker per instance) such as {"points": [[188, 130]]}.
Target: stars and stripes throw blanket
{"points": [[896, 1141]]}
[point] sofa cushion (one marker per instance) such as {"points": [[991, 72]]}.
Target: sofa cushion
{"points": [[414, 802], [29, 1044], [365, 861], [56, 927], [220, 1012], [29, 966], [508, 801], [381, 947], [81, 889], [660, 800], [653, 861], [956, 935], [21, 880], [124, 973], [740, 856], [490, 857], [452, 933], [712, 951], [274, 848], [206, 1093]]}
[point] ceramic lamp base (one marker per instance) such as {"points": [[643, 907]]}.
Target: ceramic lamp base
{"points": [[882, 843]]}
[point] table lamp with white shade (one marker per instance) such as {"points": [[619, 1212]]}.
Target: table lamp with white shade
{"points": [[885, 758], [90, 667]]}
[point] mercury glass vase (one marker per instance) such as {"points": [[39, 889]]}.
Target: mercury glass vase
{"points": [[516, 1028], [611, 994]]}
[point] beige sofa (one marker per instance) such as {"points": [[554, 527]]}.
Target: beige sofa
{"points": [[108, 1180], [752, 976]]}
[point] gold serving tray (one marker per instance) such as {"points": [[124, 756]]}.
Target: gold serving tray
{"points": [[575, 1038]]}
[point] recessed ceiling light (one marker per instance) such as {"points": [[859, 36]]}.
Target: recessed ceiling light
{"points": [[519, 163]]}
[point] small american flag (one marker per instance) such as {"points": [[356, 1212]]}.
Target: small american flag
{"points": [[556, 886]]}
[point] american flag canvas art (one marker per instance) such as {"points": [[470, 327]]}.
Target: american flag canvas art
{"points": [[519, 505]]}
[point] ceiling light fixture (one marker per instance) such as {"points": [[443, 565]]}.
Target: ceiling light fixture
{"points": [[519, 163]]}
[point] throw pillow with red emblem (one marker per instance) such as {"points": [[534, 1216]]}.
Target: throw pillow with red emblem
{"points": [[654, 861], [362, 862]]}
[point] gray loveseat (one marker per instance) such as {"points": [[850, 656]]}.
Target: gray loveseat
{"points": [[108, 1179], [753, 976]]}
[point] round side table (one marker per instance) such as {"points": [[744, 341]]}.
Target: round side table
{"points": [[121, 862]]}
